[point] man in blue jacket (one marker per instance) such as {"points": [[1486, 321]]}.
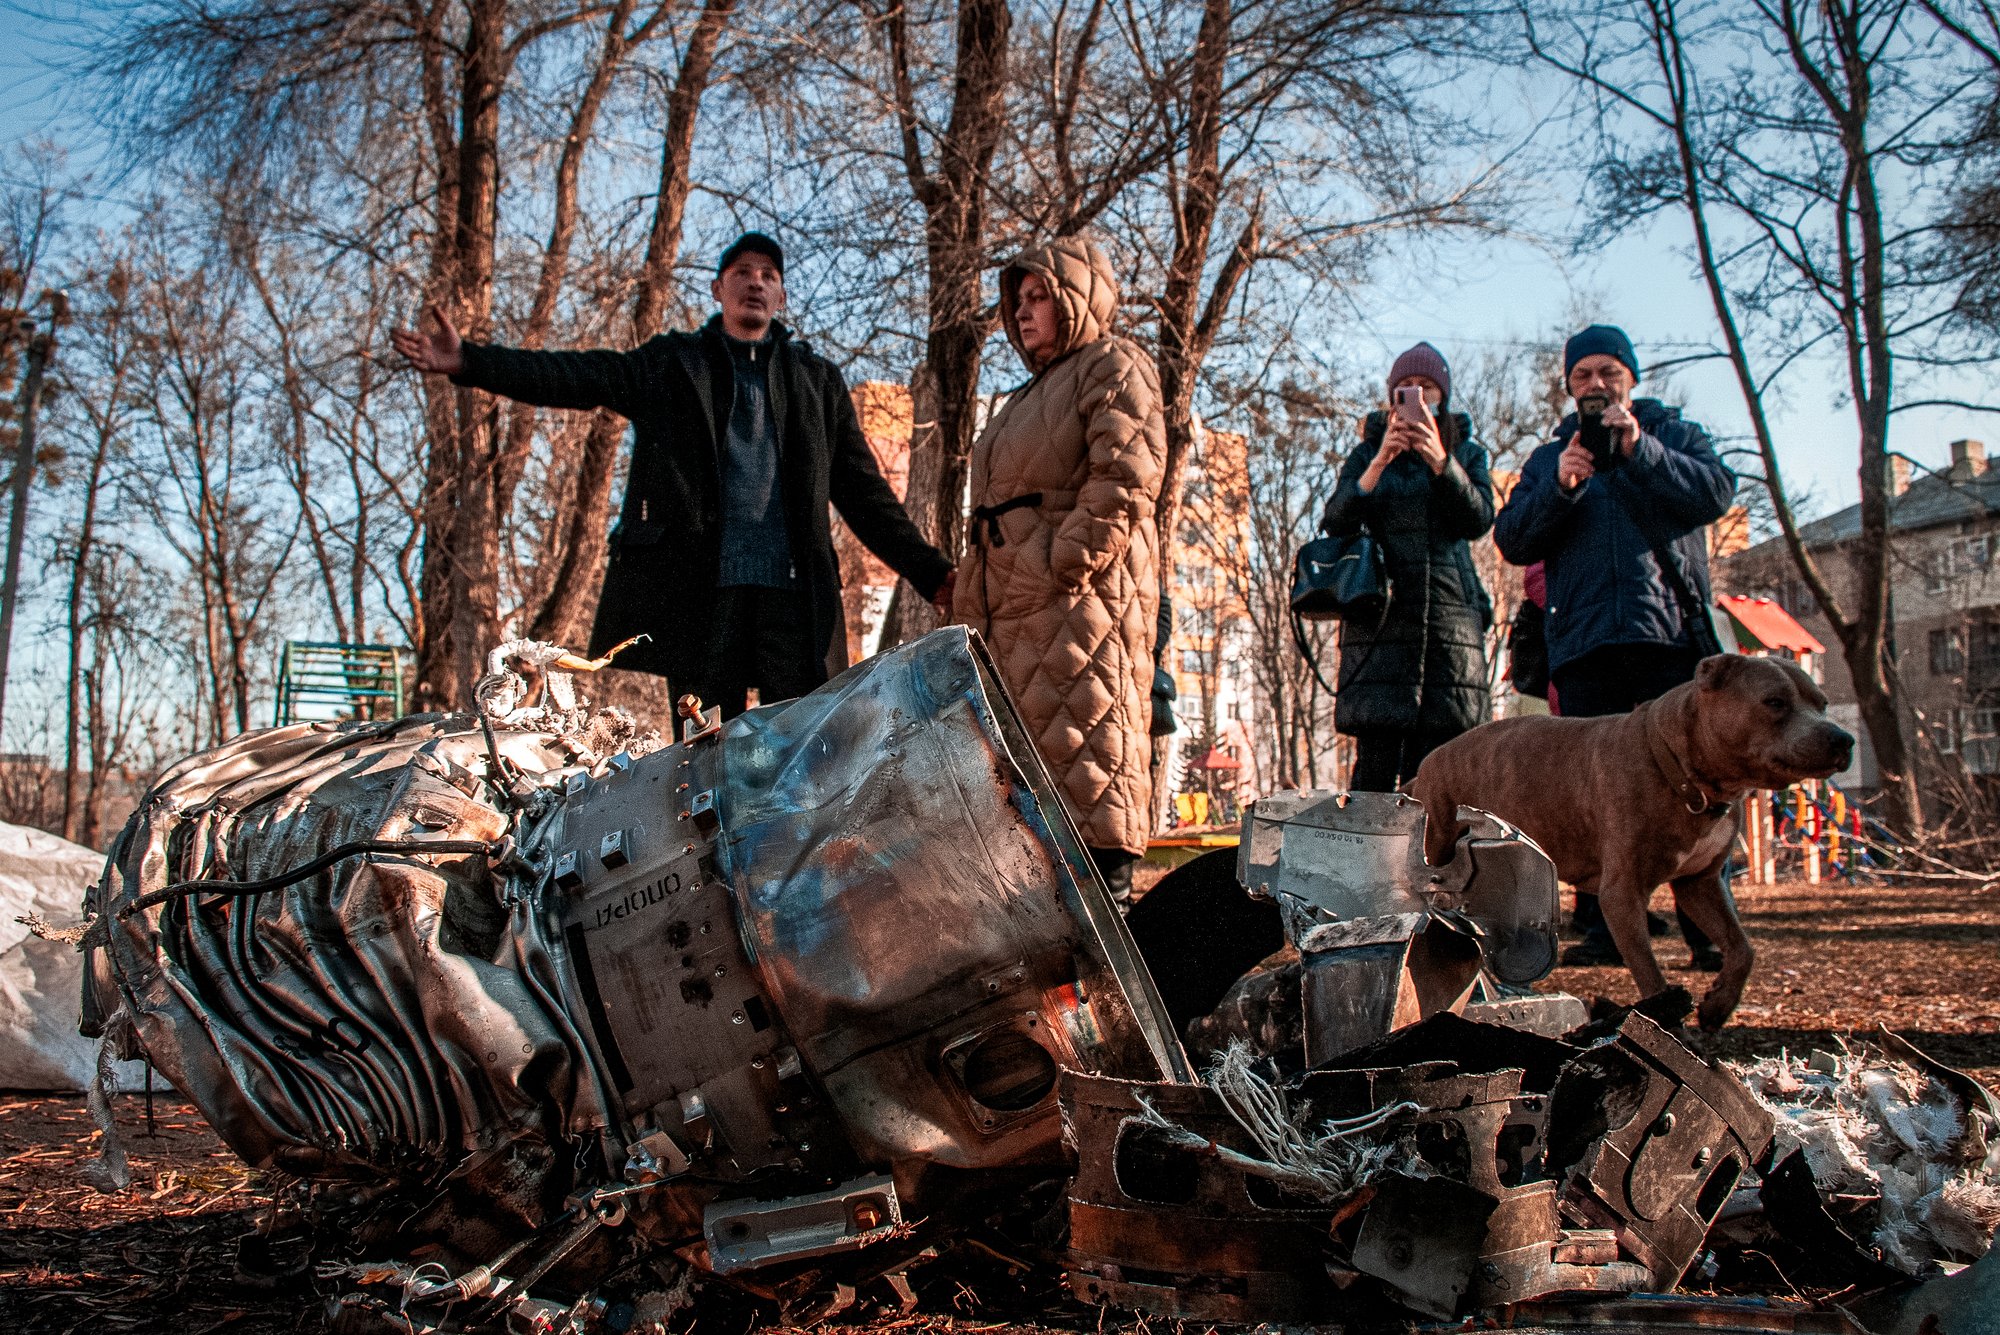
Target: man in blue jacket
{"points": [[1625, 486]]}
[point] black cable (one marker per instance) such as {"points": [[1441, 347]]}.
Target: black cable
{"points": [[243, 889]]}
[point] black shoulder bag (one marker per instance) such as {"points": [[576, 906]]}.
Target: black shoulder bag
{"points": [[1528, 651], [1338, 579]]}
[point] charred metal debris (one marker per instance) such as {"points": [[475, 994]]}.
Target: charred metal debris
{"points": [[557, 1023]]}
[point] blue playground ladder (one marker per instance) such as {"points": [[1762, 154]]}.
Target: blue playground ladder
{"points": [[315, 676]]}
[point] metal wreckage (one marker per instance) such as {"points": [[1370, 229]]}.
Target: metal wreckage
{"points": [[559, 1023]]}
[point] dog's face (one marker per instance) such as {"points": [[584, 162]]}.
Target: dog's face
{"points": [[1766, 716]]}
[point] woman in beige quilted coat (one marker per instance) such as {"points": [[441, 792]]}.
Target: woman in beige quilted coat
{"points": [[1060, 572]]}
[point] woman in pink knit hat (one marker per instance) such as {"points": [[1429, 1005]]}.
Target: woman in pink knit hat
{"points": [[1418, 485]]}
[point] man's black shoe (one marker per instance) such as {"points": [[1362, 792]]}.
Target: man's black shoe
{"points": [[1592, 951]]}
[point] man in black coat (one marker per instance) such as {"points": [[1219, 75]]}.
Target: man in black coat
{"points": [[723, 553]]}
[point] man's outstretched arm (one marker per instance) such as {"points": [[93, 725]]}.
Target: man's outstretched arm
{"points": [[598, 378], [865, 500]]}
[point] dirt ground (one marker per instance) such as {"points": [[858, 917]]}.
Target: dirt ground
{"points": [[1834, 962]]}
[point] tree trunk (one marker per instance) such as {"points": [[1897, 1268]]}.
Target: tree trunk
{"points": [[554, 269], [460, 615], [86, 540], [1869, 645], [565, 614], [954, 192]]}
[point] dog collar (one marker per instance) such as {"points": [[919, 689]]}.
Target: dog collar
{"points": [[1694, 795]]}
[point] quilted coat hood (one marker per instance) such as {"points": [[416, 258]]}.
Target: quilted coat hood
{"points": [[1085, 288]]}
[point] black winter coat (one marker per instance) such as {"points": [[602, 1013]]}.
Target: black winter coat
{"points": [[666, 550], [1425, 667]]}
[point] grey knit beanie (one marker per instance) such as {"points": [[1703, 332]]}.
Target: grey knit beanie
{"points": [[1426, 361]]}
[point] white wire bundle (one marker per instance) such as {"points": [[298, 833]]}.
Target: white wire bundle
{"points": [[1330, 1161], [1871, 1125]]}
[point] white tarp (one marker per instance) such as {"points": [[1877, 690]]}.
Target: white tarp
{"points": [[41, 981]]}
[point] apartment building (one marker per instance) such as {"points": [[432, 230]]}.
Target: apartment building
{"points": [[1944, 606]]}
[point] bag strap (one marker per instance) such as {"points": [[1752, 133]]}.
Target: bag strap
{"points": [[1306, 652], [1701, 626]]}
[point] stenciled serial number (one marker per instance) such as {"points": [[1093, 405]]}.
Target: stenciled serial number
{"points": [[639, 900]]}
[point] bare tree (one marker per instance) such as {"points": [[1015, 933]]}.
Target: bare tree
{"points": [[948, 171], [30, 218], [1293, 458], [1774, 127], [410, 119], [1968, 239], [204, 486], [102, 402], [1251, 102], [563, 613]]}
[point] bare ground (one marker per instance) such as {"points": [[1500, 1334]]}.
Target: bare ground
{"points": [[1834, 962]]}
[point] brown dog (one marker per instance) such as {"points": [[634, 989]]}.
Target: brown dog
{"points": [[1625, 802]]}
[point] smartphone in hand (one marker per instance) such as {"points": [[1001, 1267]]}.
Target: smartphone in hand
{"points": [[1596, 437], [1410, 404]]}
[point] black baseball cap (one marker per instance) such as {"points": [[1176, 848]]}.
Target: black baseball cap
{"points": [[752, 243]]}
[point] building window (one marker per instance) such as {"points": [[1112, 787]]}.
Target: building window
{"points": [[1979, 738], [1948, 651], [1956, 560], [1982, 652]]}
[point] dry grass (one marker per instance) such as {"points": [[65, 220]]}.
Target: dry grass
{"points": [[1836, 960]]}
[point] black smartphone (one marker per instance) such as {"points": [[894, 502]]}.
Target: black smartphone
{"points": [[1594, 435]]}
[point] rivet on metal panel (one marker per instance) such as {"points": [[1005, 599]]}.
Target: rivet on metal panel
{"points": [[611, 850], [736, 1017]]}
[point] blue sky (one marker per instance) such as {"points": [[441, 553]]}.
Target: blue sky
{"points": [[1463, 295]]}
